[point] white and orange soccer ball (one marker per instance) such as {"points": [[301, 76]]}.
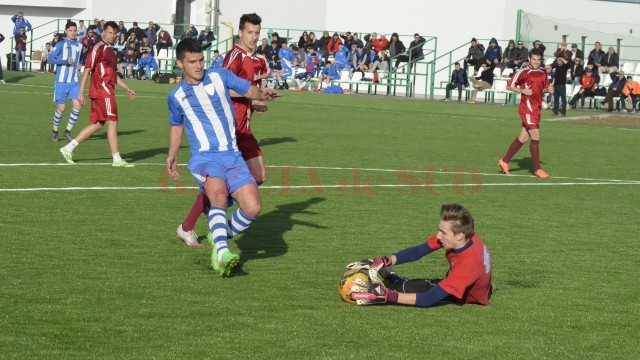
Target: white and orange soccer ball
{"points": [[353, 281]]}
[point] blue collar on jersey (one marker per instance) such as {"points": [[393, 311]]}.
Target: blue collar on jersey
{"points": [[465, 247]]}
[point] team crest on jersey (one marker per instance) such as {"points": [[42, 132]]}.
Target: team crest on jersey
{"points": [[210, 89]]}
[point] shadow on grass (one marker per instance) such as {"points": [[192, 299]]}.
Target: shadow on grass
{"points": [[523, 164], [11, 78], [102, 134], [275, 141], [265, 238]]}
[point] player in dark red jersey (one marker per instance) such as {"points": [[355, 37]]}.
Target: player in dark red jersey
{"points": [[240, 62], [101, 64], [468, 280], [531, 82]]}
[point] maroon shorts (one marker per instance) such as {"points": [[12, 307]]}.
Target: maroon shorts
{"points": [[530, 121], [103, 109], [248, 145]]}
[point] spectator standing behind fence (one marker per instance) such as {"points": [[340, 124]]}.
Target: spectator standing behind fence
{"points": [[82, 31], [21, 50], [458, 80], [588, 89], [561, 66], [483, 80], [596, 57], [630, 93], [20, 23], [151, 32], [475, 56], [611, 61]]}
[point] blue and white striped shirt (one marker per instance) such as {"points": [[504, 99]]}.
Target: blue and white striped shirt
{"points": [[63, 51], [206, 110]]}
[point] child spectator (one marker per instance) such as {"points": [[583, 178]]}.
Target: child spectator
{"points": [[588, 89]]}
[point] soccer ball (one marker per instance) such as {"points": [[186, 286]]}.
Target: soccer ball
{"points": [[353, 280], [545, 105], [172, 81]]}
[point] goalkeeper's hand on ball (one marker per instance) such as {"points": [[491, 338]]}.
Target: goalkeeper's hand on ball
{"points": [[377, 294], [373, 265]]}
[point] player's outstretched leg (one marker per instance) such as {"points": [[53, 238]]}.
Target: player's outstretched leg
{"points": [[222, 260]]}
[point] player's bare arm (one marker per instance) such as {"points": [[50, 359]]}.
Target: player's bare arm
{"points": [[83, 83], [256, 93], [121, 83], [175, 140]]}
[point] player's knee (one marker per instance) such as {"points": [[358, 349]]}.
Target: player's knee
{"points": [[252, 209]]}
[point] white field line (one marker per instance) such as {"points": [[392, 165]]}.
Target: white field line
{"points": [[169, 188], [439, 171]]}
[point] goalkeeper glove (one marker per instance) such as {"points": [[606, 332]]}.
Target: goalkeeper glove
{"points": [[378, 294], [373, 265]]}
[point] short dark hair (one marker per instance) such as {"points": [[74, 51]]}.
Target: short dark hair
{"points": [[253, 18], [457, 63], [216, 51], [111, 24], [145, 53], [535, 52], [629, 78], [70, 24], [190, 45]]}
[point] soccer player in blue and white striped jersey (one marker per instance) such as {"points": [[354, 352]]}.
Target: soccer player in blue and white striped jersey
{"points": [[66, 55], [201, 103]]}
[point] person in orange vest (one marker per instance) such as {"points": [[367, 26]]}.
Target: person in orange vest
{"points": [[630, 93]]}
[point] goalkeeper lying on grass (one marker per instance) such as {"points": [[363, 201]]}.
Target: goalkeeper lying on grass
{"points": [[468, 280]]}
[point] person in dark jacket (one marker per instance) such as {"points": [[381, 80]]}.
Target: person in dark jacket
{"points": [[475, 56], [560, 66], [458, 80], [576, 53], [539, 45], [576, 70], [483, 79], [596, 57], [563, 52], [611, 61], [508, 56], [615, 89], [395, 47], [1, 74], [416, 50], [302, 41], [494, 52], [521, 55]]}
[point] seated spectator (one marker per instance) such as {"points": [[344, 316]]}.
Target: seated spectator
{"points": [[299, 56], [328, 74], [395, 47], [56, 39], [136, 30], [588, 89], [347, 39], [286, 56], [206, 38], [216, 60], [129, 61], [311, 68], [458, 80], [312, 41], [90, 40], [576, 71], [264, 48], [576, 53], [275, 38], [381, 43], [357, 41], [133, 39], [630, 93], [164, 40], [368, 41], [596, 74], [145, 65], [333, 44], [82, 31], [356, 57], [596, 57], [475, 56], [416, 52], [615, 89], [145, 45], [45, 58], [521, 55], [94, 26], [151, 32], [611, 61], [494, 52], [322, 45], [483, 80], [342, 57], [191, 32], [508, 56], [384, 61], [371, 61], [563, 52], [302, 41], [120, 43]]}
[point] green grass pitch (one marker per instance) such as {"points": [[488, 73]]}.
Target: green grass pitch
{"points": [[95, 271]]}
